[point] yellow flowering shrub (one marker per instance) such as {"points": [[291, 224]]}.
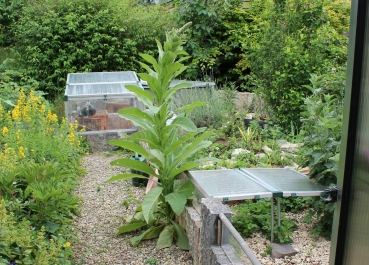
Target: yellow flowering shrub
{"points": [[32, 132]]}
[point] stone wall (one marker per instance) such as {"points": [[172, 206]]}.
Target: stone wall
{"points": [[98, 140], [202, 230]]}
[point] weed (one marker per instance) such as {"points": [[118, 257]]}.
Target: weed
{"points": [[151, 261]]}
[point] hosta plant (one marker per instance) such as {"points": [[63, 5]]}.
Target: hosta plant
{"points": [[171, 146]]}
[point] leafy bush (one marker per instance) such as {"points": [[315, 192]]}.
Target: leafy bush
{"points": [[214, 42], [20, 244], [254, 217], [43, 195], [208, 115], [54, 38], [293, 42], [321, 134]]}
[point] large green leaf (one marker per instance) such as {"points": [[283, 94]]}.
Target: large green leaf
{"points": [[197, 144], [182, 238], [130, 227], [150, 59], [154, 232], [133, 164], [158, 155], [138, 117], [130, 146], [183, 139], [177, 201], [153, 83], [144, 96], [124, 176], [182, 122], [187, 189], [137, 239], [145, 136], [166, 237], [150, 203], [187, 166], [177, 87]]}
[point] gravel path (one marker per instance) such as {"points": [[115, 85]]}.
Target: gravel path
{"points": [[101, 214], [104, 205]]}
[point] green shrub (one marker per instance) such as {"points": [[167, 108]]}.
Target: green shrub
{"points": [[22, 245], [321, 134], [215, 39], [292, 43], [54, 38], [251, 217]]}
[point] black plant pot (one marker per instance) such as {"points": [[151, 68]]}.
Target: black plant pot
{"points": [[139, 181]]}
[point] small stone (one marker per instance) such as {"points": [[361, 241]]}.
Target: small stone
{"points": [[282, 250]]}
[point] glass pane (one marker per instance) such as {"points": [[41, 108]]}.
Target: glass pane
{"points": [[100, 83], [228, 183], [284, 179]]}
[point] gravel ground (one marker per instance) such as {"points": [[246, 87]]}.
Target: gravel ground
{"points": [[310, 251], [101, 215], [103, 208]]}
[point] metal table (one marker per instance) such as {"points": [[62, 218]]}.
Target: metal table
{"points": [[255, 183]]}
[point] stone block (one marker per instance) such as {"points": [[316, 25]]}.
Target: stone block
{"points": [[210, 210], [282, 250]]}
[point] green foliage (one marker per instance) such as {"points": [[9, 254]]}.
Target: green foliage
{"points": [[321, 134], [11, 82], [54, 38], [39, 166], [293, 42], [170, 146], [254, 217], [215, 39], [20, 244], [209, 114], [10, 11]]}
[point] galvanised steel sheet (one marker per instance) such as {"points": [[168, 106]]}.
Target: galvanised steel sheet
{"points": [[228, 184], [286, 180]]}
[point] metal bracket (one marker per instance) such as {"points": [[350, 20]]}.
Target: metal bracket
{"points": [[333, 195]]}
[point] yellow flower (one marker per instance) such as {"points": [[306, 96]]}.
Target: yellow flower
{"points": [[67, 244], [51, 117], [5, 131], [21, 153], [16, 112]]}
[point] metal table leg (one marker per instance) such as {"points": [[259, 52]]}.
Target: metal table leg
{"points": [[272, 219]]}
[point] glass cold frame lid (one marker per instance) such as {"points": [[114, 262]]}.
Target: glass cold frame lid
{"points": [[284, 179], [228, 183], [100, 83]]}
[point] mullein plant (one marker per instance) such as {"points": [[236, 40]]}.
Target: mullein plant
{"points": [[171, 146]]}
